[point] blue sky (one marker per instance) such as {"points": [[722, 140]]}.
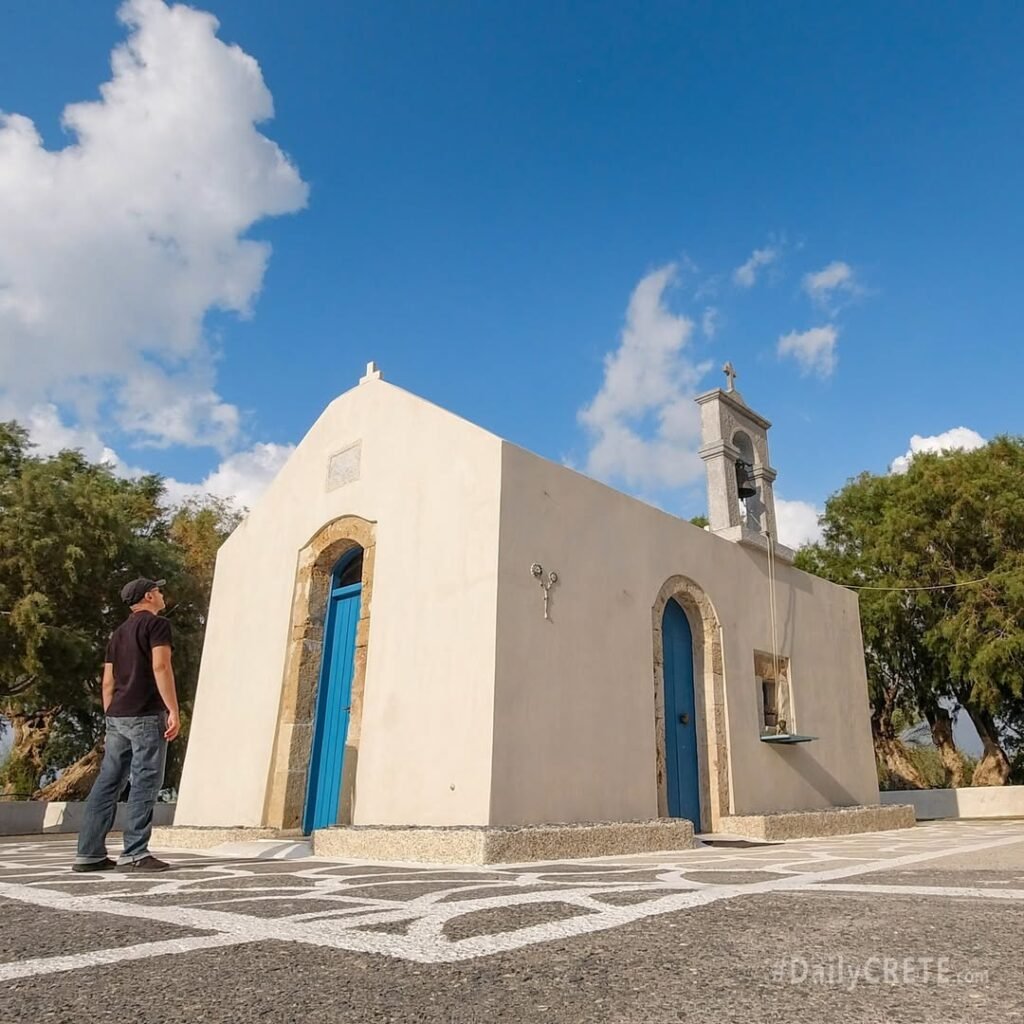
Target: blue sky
{"points": [[522, 212]]}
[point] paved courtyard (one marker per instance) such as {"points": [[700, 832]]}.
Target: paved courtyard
{"points": [[920, 925]]}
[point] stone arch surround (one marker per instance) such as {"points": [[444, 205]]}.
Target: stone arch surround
{"points": [[286, 789], [709, 689]]}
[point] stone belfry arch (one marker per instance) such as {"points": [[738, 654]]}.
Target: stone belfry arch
{"points": [[734, 443]]}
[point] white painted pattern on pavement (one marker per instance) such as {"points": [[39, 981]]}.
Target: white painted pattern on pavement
{"points": [[346, 913], [98, 957]]}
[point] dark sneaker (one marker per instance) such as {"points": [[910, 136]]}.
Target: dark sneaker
{"points": [[147, 863], [95, 865]]}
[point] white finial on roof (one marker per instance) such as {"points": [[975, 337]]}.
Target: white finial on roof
{"points": [[372, 373]]}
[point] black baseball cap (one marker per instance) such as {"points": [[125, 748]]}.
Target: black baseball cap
{"points": [[134, 592]]}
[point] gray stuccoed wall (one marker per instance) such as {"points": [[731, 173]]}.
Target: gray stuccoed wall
{"points": [[973, 802], [35, 817]]}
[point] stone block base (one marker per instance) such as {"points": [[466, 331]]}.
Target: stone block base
{"points": [[498, 844], [202, 837], [833, 821]]}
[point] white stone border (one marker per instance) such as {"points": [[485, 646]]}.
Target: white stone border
{"points": [[974, 802], [36, 817]]}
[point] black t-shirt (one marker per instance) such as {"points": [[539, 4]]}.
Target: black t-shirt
{"points": [[130, 651]]}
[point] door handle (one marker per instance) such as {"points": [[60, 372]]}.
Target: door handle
{"points": [[684, 719]]}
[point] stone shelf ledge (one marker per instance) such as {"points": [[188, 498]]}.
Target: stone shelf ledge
{"points": [[832, 821], [498, 844]]}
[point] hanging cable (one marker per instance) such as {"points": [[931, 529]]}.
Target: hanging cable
{"points": [[938, 586], [772, 607]]}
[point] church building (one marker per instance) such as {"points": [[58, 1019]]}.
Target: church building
{"points": [[422, 625]]}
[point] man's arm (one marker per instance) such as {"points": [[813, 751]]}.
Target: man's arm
{"points": [[164, 674], [108, 685]]}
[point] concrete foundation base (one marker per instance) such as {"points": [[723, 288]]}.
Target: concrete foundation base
{"points": [[833, 821], [197, 837], [497, 844], [494, 844]]}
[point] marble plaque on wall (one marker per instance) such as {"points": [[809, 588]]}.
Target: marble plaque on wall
{"points": [[343, 466]]}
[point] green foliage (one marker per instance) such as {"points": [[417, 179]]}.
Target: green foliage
{"points": [[1017, 770], [928, 762], [71, 534], [964, 520], [17, 777], [951, 518]]}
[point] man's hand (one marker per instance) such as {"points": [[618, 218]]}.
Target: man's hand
{"points": [[173, 726]]}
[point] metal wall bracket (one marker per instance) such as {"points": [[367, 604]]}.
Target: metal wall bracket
{"points": [[537, 572]]}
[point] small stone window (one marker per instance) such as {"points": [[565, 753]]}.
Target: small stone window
{"points": [[774, 706]]}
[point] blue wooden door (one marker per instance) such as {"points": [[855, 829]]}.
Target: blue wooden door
{"points": [[680, 717], [334, 697]]}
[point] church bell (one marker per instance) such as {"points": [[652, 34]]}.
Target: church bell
{"points": [[745, 486]]}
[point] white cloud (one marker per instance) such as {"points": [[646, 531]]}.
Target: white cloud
{"points": [[825, 285], [814, 349], [175, 409], [241, 478], [709, 322], [115, 248], [959, 438], [797, 522], [49, 434], [643, 421], [746, 275]]}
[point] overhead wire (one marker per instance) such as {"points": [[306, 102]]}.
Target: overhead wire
{"points": [[773, 607], [938, 586]]}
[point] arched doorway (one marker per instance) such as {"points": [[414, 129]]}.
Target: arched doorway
{"points": [[682, 768], [694, 641], [334, 693]]}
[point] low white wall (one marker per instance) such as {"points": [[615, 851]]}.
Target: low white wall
{"points": [[980, 802], [33, 817]]}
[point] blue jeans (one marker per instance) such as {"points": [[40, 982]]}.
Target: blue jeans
{"points": [[134, 746]]}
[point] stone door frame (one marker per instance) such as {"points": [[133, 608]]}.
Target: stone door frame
{"points": [[296, 718], [709, 692]]}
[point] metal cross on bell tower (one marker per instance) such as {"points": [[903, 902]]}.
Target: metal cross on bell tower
{"points": [[731, 376]]}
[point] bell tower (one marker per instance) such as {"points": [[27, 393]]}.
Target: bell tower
{"points": [[741, 501]]}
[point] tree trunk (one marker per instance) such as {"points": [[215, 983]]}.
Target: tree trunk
{"points": [[76, 780], [941, 725], [994, 767], [24, 763], [891, 752]]}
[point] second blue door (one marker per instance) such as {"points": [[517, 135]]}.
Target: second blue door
{"points": [[680, 717], [334, 698]]}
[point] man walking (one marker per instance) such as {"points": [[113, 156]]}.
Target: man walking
{"points": [[141, 706]]}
